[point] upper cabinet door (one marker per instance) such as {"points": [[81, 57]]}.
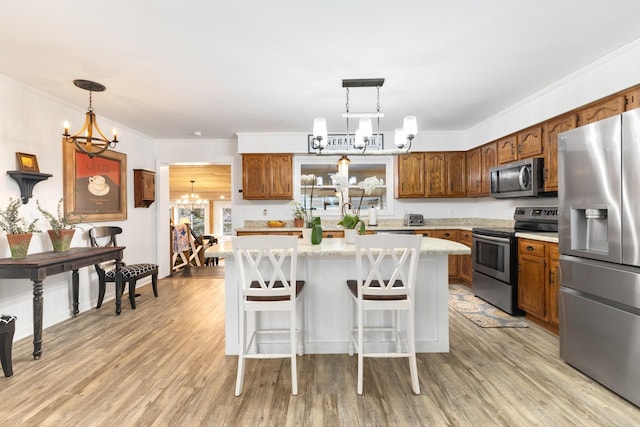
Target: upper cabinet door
{"points": [[507, 149], [410, 175], [530, 142], [474, 171], [436, 174], [281, 172], [550, 140], [489, 160], [601, 110], [456, 173]]}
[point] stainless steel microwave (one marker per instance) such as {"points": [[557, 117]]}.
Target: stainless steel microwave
{"points": [[523, 178]]}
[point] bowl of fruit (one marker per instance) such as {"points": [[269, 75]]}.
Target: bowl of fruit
{"points": [[276, 223]]}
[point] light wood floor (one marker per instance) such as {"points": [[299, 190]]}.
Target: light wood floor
{"points": [[163, 364]]}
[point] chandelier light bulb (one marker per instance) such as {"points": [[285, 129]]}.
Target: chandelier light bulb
{"points": [[320, 131], [410, 126], [400, 138], [358, 141], [365, 127]]}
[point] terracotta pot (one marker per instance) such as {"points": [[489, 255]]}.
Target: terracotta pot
{"points": [[61, 240], [19, 244], [298, 222]]}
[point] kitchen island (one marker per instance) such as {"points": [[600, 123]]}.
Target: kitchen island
{"points": [[325, 268]]}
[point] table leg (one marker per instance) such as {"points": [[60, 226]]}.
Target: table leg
{"points": [[75, 285], [119, 285], [37, 319]]}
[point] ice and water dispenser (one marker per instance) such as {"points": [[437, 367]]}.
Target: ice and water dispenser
{"points": [[589, 230]]}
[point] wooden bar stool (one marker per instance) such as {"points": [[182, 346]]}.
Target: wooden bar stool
{"points": [[7, 329]]}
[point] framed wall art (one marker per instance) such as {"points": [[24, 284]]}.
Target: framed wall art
{"points": [[95, 187], [27, 162]]}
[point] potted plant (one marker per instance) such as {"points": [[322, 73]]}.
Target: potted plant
{"points": [[18, 231], [62, 226], [298, 214]]}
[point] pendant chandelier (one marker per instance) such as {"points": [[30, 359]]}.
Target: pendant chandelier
{"points": [[90, 139], [361, 138], [191, 199]]}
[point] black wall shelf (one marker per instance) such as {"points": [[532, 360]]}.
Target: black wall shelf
{"points": [[26, 181]]}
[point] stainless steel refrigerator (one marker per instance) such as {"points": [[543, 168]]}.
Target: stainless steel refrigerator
{"points": [[599, 238]]}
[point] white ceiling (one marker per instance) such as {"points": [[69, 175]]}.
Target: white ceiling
{"points": [[172, 68]]}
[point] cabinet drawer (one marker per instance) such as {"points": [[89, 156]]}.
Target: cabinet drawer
{"points": [[531, 247], [440, 234], [466, 237]]}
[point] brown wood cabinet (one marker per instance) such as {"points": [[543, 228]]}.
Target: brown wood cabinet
{"points": [[538, 284], [480, 160], [522, 145], [489, 160], [144, 188], [446, 174], [410, 179], [446, 235], [632, 99], [267, 176], [465, 262], [607, 107], [276, 232], [530, 142], [474, 171], [507, 149], [551, 129]]}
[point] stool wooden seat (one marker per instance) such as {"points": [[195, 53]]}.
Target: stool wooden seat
{"points": [[7, 329]]}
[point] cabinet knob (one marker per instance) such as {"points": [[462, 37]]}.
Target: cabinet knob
{"points": [[529, 248]]}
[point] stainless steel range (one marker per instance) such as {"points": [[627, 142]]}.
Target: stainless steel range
{"points": [[495, 256]]}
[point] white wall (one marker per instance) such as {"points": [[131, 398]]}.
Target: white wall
{"points": [[31, 122]]}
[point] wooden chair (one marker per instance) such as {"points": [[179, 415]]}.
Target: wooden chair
{"points": [[105, 237], [266, 268], [7, 329], [386, 267], [187, 249]]}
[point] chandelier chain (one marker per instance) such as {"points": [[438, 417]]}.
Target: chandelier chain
{"points": [[378, 105], [347, 104], [90, 100]]}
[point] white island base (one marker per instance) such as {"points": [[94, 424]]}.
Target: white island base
{"points": [[325, 269]]}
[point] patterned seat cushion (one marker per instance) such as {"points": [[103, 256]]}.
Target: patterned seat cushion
{"points": [[132, 270], [6, 318]]}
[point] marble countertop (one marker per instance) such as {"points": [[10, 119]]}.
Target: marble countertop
{"points": [[389, 224], [429, 224], [338, 247]]}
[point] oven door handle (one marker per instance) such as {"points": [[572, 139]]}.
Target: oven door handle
{"points": [[491, 238]]}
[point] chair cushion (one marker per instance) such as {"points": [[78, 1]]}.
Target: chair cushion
{"points": [[353, 287], [278, 284], [6, 318], [132, 270]]}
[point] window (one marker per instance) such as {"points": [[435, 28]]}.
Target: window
{"points": [[326, 201]]}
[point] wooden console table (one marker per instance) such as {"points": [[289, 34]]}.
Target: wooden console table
{"points": [[38, 266]]}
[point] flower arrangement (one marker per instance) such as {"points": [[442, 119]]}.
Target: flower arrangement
{"points": [[350, 217], [307, 180], [11, 221], [59, 221]]}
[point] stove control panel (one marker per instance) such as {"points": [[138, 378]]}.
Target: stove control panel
{"points": [[534, 213]]}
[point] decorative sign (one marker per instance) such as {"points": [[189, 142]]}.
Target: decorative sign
{"points": [[339, 142]]}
